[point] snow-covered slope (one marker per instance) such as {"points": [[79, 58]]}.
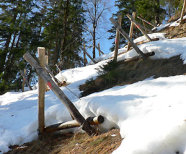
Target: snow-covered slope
{"points": [[150, 114]]}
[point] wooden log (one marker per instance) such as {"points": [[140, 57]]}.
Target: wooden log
{"points": [[139, 26], [59, 70], [146, 21], [138, 57], [127, 38], [72, 124], [131, 30], [41, 93], [89, 56], [117, 39], [98, 47], [183, 11], [59, 93]]}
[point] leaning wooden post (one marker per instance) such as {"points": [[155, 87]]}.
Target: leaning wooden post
{"points": [[139, 26], [127, 38], [46, 64], [146, 21], [131, 30], [117, 39], [59, 93], [41, 93], [183, 11], [84, 55], [99, 49], [89, 56]]}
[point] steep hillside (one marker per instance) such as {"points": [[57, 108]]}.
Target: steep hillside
{"points": [[144, 110]]}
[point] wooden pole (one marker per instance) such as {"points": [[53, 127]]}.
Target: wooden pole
{"points": [[146, 21], [59, 70], [99, 49], [89, 55], [84, 55], [183, 11], [131, 30], [71, 124], [139, 26], [127, 38], [59, 93], [117, 39], [46, 64], [41, 92]]}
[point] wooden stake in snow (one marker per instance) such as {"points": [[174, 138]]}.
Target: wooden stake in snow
{"points": [[131, 30], [127, 38], [183, 11], [139, 26], [117, 39], [99, 49], [59, 93], [41, 93], [88, 55], [74, 123]]}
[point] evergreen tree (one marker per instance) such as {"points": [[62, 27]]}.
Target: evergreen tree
{"points": [[124, 7], [63, 32], [19, 32], [151, 10]]}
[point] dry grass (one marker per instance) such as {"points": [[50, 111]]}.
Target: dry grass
{"points": [[79, 143]]}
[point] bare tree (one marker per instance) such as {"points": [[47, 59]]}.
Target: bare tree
{"points": [[94, 11]]}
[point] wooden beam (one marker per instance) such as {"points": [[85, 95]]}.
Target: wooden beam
{"points": [[131, 30], [59, 93], [41, 93], [127, 38], [183, 11], [89, 56], [72, 124], [59, 70], [139, 26], [117, 39], [98, 47], [146, 21]]}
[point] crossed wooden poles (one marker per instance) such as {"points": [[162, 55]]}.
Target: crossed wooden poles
{"points": [[79, 120]]}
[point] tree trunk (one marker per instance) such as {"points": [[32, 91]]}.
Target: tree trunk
{"points": [[157, 12], [63, 41], [94, 41]]}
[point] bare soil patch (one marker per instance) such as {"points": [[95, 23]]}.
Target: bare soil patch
{"points": [[78, 143]]}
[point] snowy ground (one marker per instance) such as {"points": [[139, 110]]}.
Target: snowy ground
{"points": [[150, 114]]}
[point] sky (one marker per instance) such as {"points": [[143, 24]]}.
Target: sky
{"points": [[105, 44]]}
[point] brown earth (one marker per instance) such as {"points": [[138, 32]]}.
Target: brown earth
{"points": [[69, 143]]}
